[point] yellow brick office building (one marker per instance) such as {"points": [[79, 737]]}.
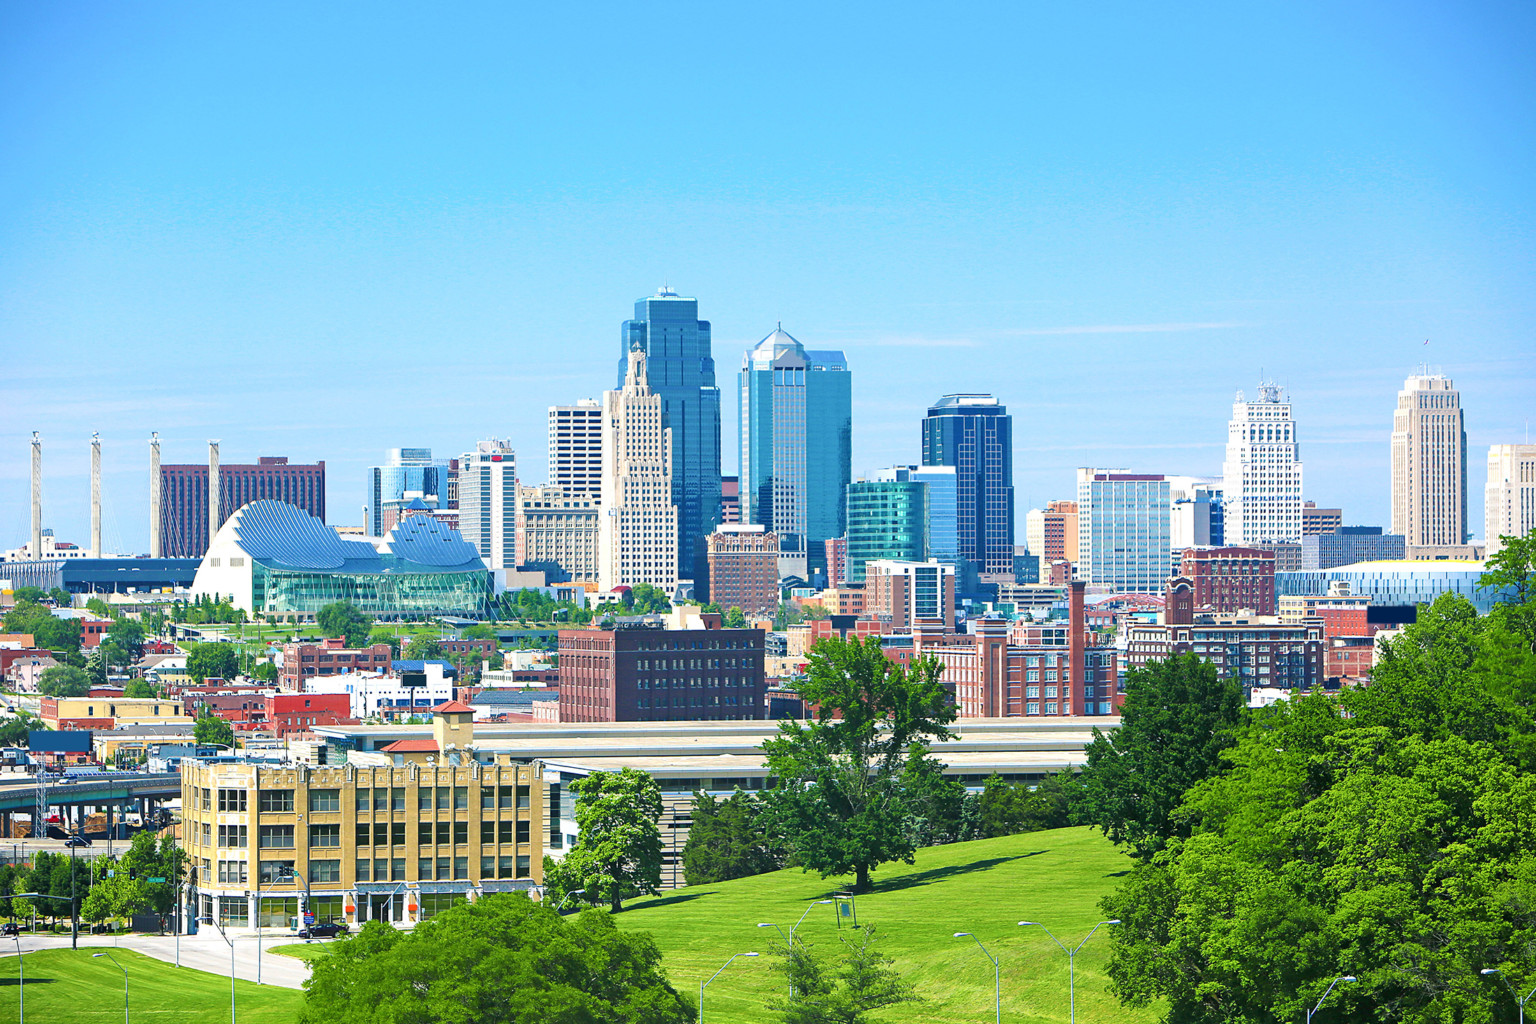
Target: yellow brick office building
{"points": [[357, 843]]}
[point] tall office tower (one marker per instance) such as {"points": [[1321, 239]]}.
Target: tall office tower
{"points": [[796, 447], [681, 370], [637, 521], [408, 473], [183, 518], [1196, 515], [1051, 532], [887, 519], [744, 568], [1509, 508], [943, 506], [557, 533], [576, 448], [1429, 464], [1123, 530], [488, 502], [1261, 478], [974, 433], [730, 499]]}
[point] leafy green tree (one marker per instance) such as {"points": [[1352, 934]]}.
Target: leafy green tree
{"points": [[209, 728], [727, 839], [480, 631], [64, 681], [734, 618], [344, 619], [147, 858], [129, 636], [861, 981], [212, 661], [424, 648], [13, 731], [120, 896], [96, 606], [60, 886], [48, 631], [264, 671], [618, 847], [502, 958], [1513, 566], [643, 598], [1177, 719], [842, 804], [61, 598], [29, 595], [935, 802], [385, 635], [141, 689]]}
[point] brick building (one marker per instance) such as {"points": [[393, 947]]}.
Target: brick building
{"points": [[648, 674], [329, 658], [1230, 580], [184, 489], [744, 568], [290, 713], [903, 593]]}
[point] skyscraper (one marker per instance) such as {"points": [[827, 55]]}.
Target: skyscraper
{"points": [[1123, 530], [637, 521], [796, 446], [974, 433], [1510, 500], [184, 497], [1429, 464], [681, 370], [488, 502], [576, 448], [943, 512], [1261, 478], [408, 473], [887, 519]]}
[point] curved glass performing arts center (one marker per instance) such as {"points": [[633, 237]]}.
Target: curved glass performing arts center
{"points": [[277, 560]]}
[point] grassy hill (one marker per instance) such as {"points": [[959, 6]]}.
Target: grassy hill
{"points": [[65, 986], [985, 887]]}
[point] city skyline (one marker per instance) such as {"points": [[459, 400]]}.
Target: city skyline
{"points": [[1111, 223]]}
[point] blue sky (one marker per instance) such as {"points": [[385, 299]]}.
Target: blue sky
{"points": [[325, 230]]}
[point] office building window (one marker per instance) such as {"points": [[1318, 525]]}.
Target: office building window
{"points": [[324, 835], [276, 801], [277, 837], [325, 800], [325, 871]]}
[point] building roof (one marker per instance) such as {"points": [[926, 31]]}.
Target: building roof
{"points": [[453, 707], [410, 746], [281, 536]]}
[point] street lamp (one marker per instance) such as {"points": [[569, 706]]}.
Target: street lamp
{"points": [[712, 977], [120, 967], [789, 940], [1345, 977], [21, 983], [283, 875], [997, 976], [1071, 958], [1487, 972], [564, 899], [213, 920]]}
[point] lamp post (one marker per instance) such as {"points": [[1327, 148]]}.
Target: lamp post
{"points": [[21, 984], [120, 967], [283, 875], [789, 940], [997, 975], [712, 977], [1344, 977], [1487, 972], [566, 898], [1071, 958], [213, 920]]}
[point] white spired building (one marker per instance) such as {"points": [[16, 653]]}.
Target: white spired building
{"points": [[637, 522], [1429, 463], [1261, 478]]}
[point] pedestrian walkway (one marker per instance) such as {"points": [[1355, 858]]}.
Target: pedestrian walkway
{"points": [[203, 952]]}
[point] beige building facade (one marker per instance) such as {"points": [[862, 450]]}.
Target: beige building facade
{"points": [[560, 527], [1429, 464], [637, 525], [1509, 503]]}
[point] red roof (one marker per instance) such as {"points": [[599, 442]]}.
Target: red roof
{"points": [[409, 746], [453, 707]]}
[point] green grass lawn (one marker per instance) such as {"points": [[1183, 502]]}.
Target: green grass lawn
{"points": [[985, 887], [65, 986], [309, 952]]}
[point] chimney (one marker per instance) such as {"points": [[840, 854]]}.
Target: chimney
{"points": [[214, 522], [1076, 640], [96, 495], [156, 512], [37, 495]]}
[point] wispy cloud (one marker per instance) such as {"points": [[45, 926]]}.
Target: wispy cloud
{"points": [[1126, 328]]}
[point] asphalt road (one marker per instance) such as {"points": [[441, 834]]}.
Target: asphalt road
{"points": [[204, 952]]}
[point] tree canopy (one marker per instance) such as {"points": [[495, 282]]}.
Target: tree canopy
{"points": [[618, 847], [843, 803], [209, 728], [501, 960], [734, 618], [424, 648], [726, 839], [48, 631], [64, 681], [344, 619], [212, 661], [843, 990]]}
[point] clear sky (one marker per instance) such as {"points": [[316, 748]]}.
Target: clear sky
{"points": [[325, 230]]}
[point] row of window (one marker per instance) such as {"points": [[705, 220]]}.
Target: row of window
{"points": [[280, 801]]}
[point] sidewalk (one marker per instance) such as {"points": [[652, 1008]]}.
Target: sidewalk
{"points": [[204, 952]]}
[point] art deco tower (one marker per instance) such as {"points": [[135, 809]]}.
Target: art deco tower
{"points": [[1261, 478], [1429, 463], [637, 521]]}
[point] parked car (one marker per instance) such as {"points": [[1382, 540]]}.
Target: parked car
{"points": [[323, 930], [10, 928], [77, 841]]}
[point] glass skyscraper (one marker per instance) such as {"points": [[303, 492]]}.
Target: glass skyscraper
{"points": [[943, 535], [887, 519], [410, 473], [796, 445], [681, 369], [974, 434], [1124, 530]]}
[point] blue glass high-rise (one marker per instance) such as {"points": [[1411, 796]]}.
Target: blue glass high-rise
{"points": [[974, 433], [681, 369]]}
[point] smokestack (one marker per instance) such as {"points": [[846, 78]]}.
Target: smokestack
{"points": [[37, 495], [96, 495], [213, 492], [155, 511]]}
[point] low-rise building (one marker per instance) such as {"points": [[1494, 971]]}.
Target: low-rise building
{"points": [[92, 712], [303, 662], [903, 593], [1231, 579], [387, 697], [1348, 545]]}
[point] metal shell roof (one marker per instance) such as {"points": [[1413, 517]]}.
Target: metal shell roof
{"points": [[280, 536]]}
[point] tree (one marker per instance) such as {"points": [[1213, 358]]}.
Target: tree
{"points": [[147, 859], [734, 618], [502, 958], [13, 731], [48, 631], [643, 598], [140, 689], [424, 648], [846, 991], [1177, 719], [1513, 566], [384, 635], [344, 619], [96, 606], [120, 896], [480, 631], [842, 804], [264, 671], [209, 728], [212, 661], [29, 595], [61, 598], [618, 847], [64, 681], [726, 840], [129, 636]]}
